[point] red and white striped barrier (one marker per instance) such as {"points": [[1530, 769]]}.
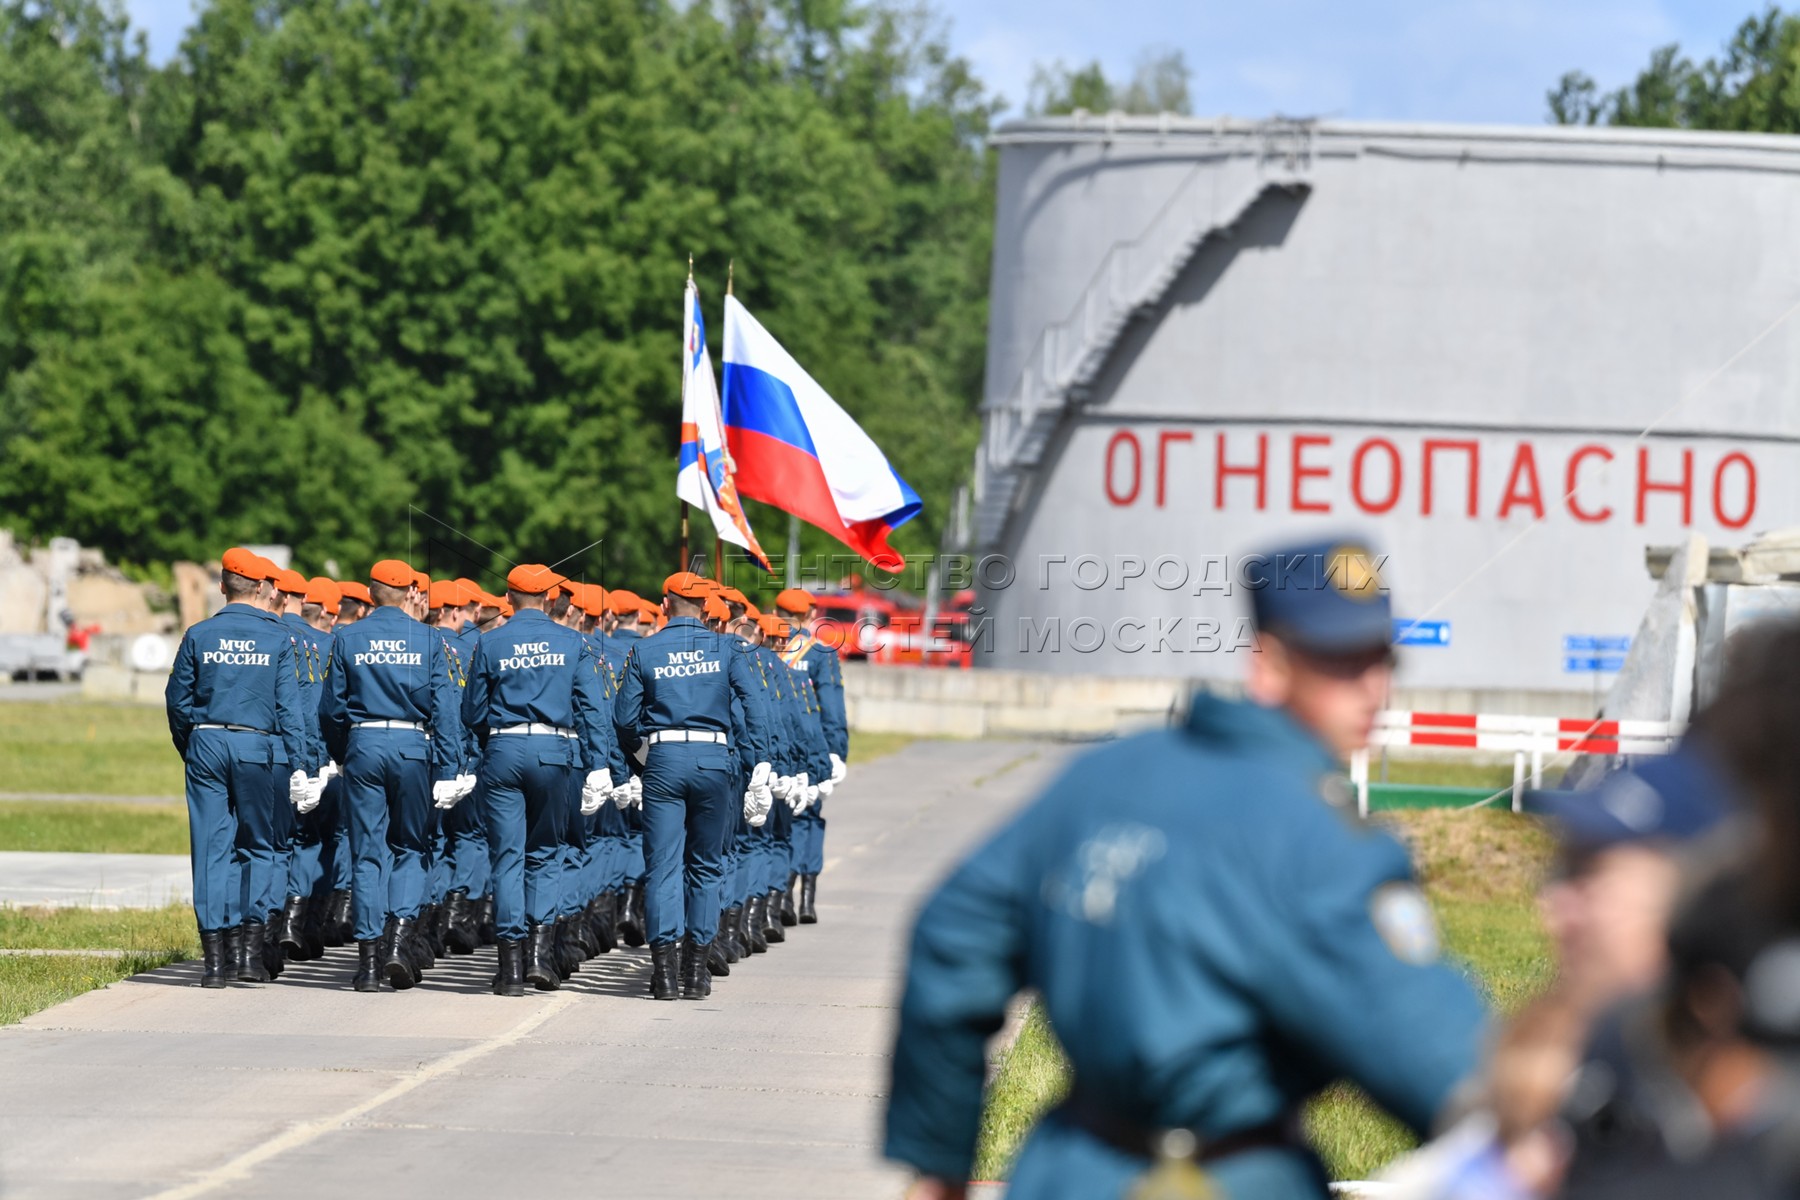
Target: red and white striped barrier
{"points": [[1527, 739]]}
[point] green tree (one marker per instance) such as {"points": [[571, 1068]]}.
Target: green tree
{"points": [[1159, 83]]}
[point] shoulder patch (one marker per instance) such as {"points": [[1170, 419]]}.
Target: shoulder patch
{"points": [[1403, 918]]}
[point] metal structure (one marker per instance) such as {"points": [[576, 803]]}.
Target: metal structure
{"points": [[1512, 356]]}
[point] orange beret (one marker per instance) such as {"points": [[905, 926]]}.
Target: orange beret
{"points": [[506, 608], [269, 570], [795, 600], [393, 573], [445, 593], [732, 596], [716, 610], [240, 561], [593, 599], [323, 592], [470, 588], [422, 581], [751, 611], [489, 600], [622, 602], [773, 627], [687, 585], [649, 612], [352, 590], [291, 582], [533, 579]]}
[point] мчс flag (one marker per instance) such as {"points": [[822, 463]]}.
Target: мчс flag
{"points": [[704, 477], [797, 450]]}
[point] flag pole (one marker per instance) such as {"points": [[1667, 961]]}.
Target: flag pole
{"points": [[680, 503]]}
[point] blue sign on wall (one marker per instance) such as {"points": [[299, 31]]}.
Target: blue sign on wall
{"points": [[1421, 633], [1581, 643]]}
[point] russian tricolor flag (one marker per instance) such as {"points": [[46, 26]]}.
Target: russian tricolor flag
{"points": [[796, 449]]}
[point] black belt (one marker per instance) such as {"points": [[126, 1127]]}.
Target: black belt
{"points": [[1144, 1141]]}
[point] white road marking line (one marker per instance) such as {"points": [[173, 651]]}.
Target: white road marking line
{"points": [[238, 1169]]}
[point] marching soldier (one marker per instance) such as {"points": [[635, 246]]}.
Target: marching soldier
{"points": [[806, 653], [534, 701], [390, 716], [686, 698], [233, 704]]}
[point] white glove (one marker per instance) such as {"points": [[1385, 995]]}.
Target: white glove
{"points": [[825, 786], [621, 796], [838, 770], [781, 786], [329, 771], [297, 785], [812, 796], [465, 786], [595, 790], [445, 793], [757, 802], [800, 795], [759, 775], [315, 788]]}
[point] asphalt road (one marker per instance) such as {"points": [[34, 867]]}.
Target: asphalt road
{"points": [[303, 1088]]}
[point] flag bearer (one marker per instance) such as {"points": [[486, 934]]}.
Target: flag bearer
{"points": [[807, 653]]}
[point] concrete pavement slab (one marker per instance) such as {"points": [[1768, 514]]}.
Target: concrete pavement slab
{"points": [[773, 1087], [35, 879]]}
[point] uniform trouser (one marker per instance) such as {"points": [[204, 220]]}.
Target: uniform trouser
{"points": [[284, 822], [343, 863], [575, 863], [635, 865], [747, 856], [687, 790], [526, 777], [261, 844], [779, 853], [387, 788], [609, 848], [226, 772], [315, 842], [809, 840], [731, 863], [466, 845]]}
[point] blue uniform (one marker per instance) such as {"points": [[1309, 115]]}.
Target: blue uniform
{"points": [[533, 672], [688, 679], [389, 715], [465, 827], [1213, 941], [619, 644], [314, 832], [827, 733], [233, 703]]}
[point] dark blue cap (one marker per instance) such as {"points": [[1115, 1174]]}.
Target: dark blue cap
{"points": [[1327, 597], [1672, 797]]}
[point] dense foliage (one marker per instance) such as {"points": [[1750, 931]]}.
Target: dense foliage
{"points": [[1752, 86], [344, 268]]}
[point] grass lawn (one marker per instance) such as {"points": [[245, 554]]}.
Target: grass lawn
{"points": [[151, 938], [76, 746], [1480, 869], [93, 826]]}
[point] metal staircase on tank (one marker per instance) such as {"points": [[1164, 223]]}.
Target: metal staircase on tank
{"points": [[1237, 170]]}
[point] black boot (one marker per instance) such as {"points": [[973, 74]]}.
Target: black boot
{"points": [[484, 922], [250, 965], [212, 959], [631, 917], [790, 902], [511, 979], [273, 955], [715, 958], [727, 940], [368, 967], [231, 946], [290, 930], [312, 930], [397, 964], [460, 934], [424, 954], [809, 891], [581, 933], [742, 933], [772, 930], [602, 913], [540, 959], [665, 971], [340, 919], [756, 920], [696, 980], [568, 953], [431, 932]]}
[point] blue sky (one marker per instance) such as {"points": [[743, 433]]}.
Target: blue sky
{"points": [[1423, 60]]}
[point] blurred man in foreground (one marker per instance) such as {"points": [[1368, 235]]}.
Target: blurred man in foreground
{"points": [[1213, 935]]}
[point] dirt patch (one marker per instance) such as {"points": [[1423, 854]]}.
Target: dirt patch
{"points": [[1475, 854]]}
